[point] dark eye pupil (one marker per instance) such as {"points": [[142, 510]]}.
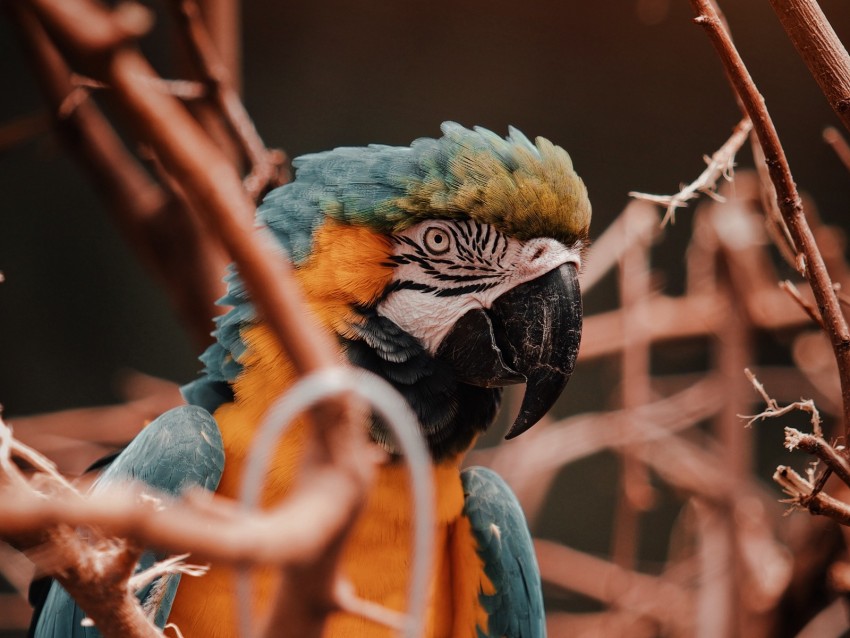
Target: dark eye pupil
{"points": [[438, 239]]}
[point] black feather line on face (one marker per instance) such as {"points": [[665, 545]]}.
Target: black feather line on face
{"points": [[450, 414]]}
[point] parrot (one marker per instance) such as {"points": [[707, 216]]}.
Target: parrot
{"points": [[449, 268]]}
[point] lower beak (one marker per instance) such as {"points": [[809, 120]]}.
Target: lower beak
{"points": [[531, 334]]}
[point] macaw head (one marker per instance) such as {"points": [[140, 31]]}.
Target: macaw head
{"points": [[448, 267]]}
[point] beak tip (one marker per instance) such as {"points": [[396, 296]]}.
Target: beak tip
{"points": [[519, 426]]}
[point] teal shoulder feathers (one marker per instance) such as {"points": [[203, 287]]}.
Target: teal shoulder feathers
{"points": [[180, 450], [515, 609]]}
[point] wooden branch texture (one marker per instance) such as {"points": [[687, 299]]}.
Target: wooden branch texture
{"points": [[821, 50]]}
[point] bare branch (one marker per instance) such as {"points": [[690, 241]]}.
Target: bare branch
{"points": [[809, 309], [174, 246], [816, 445], [804, 496], [821, 50], [773, 409], [266, 166], [649, 596], [835, 139], [720, 164]]}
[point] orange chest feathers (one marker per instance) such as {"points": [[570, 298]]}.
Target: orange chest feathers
{"points": [[376, 559], [377, 556]]}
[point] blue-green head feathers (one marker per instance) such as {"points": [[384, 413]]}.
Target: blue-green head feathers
{"points": [[524, 189]]}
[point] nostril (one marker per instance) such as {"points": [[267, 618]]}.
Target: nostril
{"points": [[538, 253]]}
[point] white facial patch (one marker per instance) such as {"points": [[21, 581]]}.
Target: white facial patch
{"points": [[446, 268]]}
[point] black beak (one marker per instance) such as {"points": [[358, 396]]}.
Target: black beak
{"points": [[531, 334]]}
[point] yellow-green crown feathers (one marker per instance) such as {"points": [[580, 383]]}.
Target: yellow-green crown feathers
{"points": [[525, 190]]}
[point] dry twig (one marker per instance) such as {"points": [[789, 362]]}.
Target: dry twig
{"points": [[803, 493], [773, 409], [720, 164], [835, 139]]}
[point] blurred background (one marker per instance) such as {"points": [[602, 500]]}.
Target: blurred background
{"points": [[631, 89]]}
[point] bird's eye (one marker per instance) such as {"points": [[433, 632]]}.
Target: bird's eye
{"points": [[437, 241]]}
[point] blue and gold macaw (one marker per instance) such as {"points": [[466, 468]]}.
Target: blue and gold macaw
{"points": [[449, 268]]}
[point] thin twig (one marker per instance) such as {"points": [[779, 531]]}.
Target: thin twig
{"points": [[774, 410], [720, 164], [835, 139], [266, 166], [809, 309], [171, 565]]}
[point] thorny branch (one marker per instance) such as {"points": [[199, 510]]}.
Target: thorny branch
{"points": [[720, 164], [773, 409]]}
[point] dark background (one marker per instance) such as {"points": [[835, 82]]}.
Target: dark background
{"points": [[631, 88]]}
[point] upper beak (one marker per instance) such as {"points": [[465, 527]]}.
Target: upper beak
{"points": [[530, 334]]}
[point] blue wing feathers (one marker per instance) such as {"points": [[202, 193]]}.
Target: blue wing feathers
{"points": [[182, 449], [515, 610]]}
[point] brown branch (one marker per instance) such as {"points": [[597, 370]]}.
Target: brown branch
{"points": [[342, 466], [169, 242], [595, 624], [817, 446], [635, 493], [532, 462], [191, 158], [295, 531], [803, 495], [95, 573], [789, 200], [74, 439], [807, 307], [720, 164], [821, 50], [608, 249], [266, 166]]}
